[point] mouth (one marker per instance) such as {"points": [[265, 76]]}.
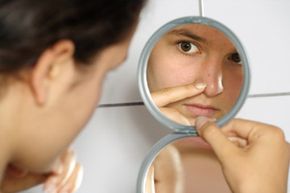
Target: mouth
{"points": [[201, 110]]}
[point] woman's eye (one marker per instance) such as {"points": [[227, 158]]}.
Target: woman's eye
{"points": [[235, 57], [187, 47]]}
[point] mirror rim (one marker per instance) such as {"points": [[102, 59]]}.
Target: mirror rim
{"points": [[155, 150], [142, 71]]}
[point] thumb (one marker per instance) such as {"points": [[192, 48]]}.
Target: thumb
{"points": [[222, 146]]}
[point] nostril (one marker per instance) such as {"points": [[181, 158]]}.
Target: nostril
{"points": [[214, 89]]}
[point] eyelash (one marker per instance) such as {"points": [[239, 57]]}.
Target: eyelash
{"points": [[187, 41], [199, 50]]}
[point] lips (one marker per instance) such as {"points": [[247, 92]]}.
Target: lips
{"points": [[201, 110]]}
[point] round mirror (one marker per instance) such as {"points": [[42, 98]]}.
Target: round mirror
{"points": [[186, 165], [193, 67]]}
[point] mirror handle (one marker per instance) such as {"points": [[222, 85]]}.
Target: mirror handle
{"points": [[201, 8]]}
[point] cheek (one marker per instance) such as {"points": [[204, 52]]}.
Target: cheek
{"points": [[167, 72], [232, 86], [80, 108], [88, 98]]}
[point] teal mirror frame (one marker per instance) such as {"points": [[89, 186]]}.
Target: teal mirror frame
{"points": [[182, 131], [142, 71]]}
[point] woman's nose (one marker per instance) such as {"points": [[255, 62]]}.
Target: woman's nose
{"points": [[213, 77]]}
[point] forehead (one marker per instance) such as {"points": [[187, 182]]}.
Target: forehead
{"points": [[201, 33]]}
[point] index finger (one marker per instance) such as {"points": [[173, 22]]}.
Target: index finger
{"points": [[169, 95]]}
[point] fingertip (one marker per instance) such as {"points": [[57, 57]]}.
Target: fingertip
{"points": [[200, 121], [200, 85], [79, 177]]}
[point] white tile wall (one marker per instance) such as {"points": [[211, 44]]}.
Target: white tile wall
{"points": [[116, 140]]}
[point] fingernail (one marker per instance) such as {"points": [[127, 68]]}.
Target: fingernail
{"points": [[200, 85], [200, 122], [79, 178]]}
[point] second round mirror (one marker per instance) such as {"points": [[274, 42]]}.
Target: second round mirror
{"points": [[187, 165]]}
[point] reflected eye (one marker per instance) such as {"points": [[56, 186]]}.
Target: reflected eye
{"points": [[187, 47], [235, 57]]}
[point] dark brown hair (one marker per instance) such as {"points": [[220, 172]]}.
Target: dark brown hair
{"points": [[28, 27]]}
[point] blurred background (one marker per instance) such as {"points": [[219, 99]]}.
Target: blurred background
{"points": [[116, 140]]}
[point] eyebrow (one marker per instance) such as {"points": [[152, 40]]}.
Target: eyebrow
{"points": [[187, 33]]}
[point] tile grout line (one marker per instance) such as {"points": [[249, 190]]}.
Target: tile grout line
{"points": [[269, 95]]}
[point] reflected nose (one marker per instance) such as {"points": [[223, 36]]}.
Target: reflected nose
{"points": [[213, 77]]}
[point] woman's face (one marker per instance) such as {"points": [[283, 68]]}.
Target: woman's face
{"points": [[48, 129], [197, 54]]}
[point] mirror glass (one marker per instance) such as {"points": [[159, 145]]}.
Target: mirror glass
{"points": [[187, 165], [194, 70]]}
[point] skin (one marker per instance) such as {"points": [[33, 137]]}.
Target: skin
{"points": [[201, 166], [195, 54], [165, 174], [48, 106]]}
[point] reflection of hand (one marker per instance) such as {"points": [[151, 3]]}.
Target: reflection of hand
{"points": [[259, 165], [166, 96], [67, 175]]}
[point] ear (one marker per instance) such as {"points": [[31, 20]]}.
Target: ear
{"points": [[49, 66]]}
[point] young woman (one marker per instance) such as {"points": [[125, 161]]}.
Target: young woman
{"points": [[54, 55], [199, 67]]}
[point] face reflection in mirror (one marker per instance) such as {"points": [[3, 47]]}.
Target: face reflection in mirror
{"points": [[194, 70], [187, 165]]}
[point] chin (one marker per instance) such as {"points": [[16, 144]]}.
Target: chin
{"points": [[38, 161]]}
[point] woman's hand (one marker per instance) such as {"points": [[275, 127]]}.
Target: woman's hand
{"points": [[67, 175], [162, 98], [257, 161], [65, 178]]}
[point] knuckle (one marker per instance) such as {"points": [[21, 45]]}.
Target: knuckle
{"points": [[278, 133]]}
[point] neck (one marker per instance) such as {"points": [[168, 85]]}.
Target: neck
{"points": [[4, 153], [3, 164], [9, 114]]}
